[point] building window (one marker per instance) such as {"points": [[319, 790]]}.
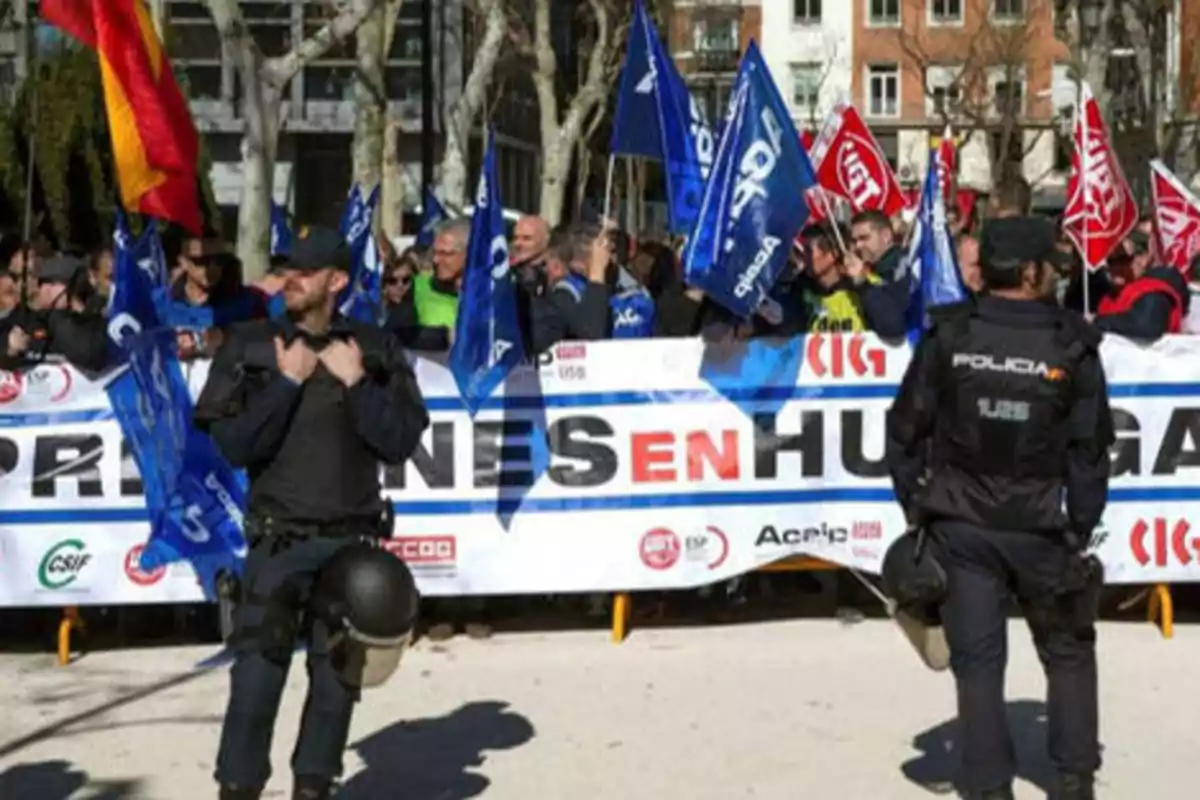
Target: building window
{"points": [[883, 91], [1009, 97], [806, 87], [946, 12], [190, 40], [889, 143], [807, 12], [944, 100], [883, 12], [1008, 10], [201, 82], [329, 83]]}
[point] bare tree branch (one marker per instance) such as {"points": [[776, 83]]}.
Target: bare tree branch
{"points": [[350, 13]]}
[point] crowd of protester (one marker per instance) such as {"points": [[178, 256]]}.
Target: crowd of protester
{"points": [[578, 282]]}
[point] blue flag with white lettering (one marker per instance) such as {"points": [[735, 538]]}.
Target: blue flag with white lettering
{"points": [[362, 299], [658, 118], [753, 203], [193, 498], [433, 213], [487, 335], [281, 232], [932, 263]]}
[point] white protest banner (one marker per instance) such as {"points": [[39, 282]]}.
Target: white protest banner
{"points": [[666, 465]]}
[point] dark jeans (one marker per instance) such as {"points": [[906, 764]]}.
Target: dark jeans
{"points": [[984, 568], [271, 618]]}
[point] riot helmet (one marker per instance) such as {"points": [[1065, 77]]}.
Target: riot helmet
{"points": [[369, 600], [916, 584]]}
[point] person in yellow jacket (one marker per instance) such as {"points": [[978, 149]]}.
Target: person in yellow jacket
{"points": [[435, 296]]}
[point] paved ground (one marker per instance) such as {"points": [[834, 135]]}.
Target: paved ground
{"points": [[796, 709]]}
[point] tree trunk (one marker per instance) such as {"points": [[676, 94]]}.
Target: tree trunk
{"points": [[556, 166], [258, 180], [559, 137], [263, 85], [460, 119], [391, 195], [370, 101]]}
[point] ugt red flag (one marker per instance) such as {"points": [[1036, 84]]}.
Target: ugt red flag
{"points": [[849, 162], [1176, 217], [1100, 210], [155, 145]]}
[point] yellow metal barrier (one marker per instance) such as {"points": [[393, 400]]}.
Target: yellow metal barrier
{"points": [[70, 621], [622, 605], [1160, 609]]}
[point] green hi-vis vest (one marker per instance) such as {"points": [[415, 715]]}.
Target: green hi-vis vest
{"points": [[434, 309]]}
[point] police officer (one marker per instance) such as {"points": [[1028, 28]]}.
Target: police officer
{"points": [[1004, 411], [309, 404]]}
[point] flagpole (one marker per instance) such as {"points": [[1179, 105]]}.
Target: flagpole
{"points": [[833, 223], [34, 75], [1086, 275], [608, 183]]}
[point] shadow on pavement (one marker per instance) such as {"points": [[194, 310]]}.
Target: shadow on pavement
{"points": [[59, 780], [938, 768], [431, 759]]}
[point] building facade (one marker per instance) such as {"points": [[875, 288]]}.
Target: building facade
{"points": [[707, 39], [313, 170], [808, 45]]}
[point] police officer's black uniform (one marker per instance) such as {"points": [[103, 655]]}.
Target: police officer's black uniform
{"points": [[1003, 410], [312, 451]]}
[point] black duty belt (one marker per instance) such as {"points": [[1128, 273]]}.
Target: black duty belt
{"points": [[259, 526]]}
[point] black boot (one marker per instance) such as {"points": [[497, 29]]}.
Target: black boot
{"points": [[309, 788], [1075, 787], [236, 793]]}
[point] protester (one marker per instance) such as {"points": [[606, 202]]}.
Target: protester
{"points": [[1012, 197], [531, 237], [55, 323], [875, 252], [435, 296], [100, 270], [968, 263], [577, 275], [9, 296], [401, 312], [1144, 302], [818, 296], [211, 279]]}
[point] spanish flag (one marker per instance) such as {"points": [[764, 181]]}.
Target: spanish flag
{"points": [[155, 145]]}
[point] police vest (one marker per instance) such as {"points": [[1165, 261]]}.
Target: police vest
{"points": [[1135, 290], [434, 309], [1000, 439]]}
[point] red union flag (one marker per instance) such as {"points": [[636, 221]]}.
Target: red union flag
{"points": [[1100, 210], [948, 150], [849, 163], [1176, 218], [820, 203]]}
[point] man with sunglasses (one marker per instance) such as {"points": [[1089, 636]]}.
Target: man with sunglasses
{"points": [[55, 322], [1002, 415]]}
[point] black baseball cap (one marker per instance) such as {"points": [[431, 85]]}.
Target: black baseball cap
{"points": [[315, 248], [1009, 242]]}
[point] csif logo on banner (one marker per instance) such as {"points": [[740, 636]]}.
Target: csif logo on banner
{"points": [[62, 564]]}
